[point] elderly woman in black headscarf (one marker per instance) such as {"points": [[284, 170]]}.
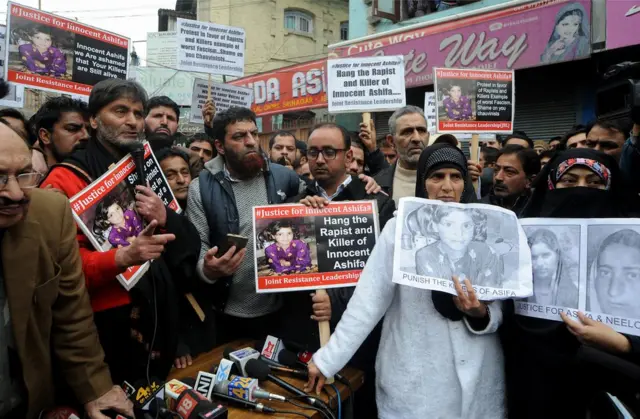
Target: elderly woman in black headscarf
{"points": [[439, 355], [547, 374]]}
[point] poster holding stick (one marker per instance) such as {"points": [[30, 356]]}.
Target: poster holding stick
{"points": [[224, 96], [209, 88], [369, 84], [474, 100], [474, 153], [68, 57], [205, 47]]}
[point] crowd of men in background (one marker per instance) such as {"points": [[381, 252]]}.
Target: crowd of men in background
{"points": [[217, 177]]}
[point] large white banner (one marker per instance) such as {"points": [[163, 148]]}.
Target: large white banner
{"points": [[368, 84], [224, 96], [161, 49], [586, 265], [210, 48], [482, 243]]}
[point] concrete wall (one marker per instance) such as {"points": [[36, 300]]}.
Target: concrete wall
{"points": [[269, 44]]}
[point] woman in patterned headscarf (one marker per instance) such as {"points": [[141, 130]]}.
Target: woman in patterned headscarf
{"points": [[542, 356]]}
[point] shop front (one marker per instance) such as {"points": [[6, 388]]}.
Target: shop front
{"points": [[548, 42]]}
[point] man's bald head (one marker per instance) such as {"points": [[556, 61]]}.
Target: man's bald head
{"points": [[15, 160]]}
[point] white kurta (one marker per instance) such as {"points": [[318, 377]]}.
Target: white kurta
{"points": [[427, 366]]}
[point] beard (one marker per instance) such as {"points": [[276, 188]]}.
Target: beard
{"points": [[247, 164], [111, 136], [159, 141]]}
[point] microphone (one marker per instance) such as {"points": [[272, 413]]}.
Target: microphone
{"points": [[290, 359], [137, 153], [260, 370], [204, 383], [193, 405], [226, 368], [144, 396], [241, 357], [272, 348]]}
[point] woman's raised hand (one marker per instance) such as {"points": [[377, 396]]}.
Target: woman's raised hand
{"points": [[595, 333], [467, 301]]}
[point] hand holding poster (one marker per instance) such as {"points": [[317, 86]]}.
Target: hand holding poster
{"points": [[470, 100], [585, 265], [482, 243], [303, 248], [366, 84], [53, 53], [105, 210], [224, 96], [210, 48]]}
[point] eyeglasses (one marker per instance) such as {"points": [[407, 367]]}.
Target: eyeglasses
{"points": [[25, 180], [328, 153]]}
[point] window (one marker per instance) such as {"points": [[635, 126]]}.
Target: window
{"points": [[298, 21], [344, 31]]}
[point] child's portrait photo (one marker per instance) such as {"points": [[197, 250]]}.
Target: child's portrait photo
{"points": [[286, 247]]}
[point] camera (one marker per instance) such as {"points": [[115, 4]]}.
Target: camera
{"points": [[619, 98]]}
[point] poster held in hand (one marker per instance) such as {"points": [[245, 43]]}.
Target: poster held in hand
{"points": [[161, 49], [482, 243], [585, 265], [430, 111], [472, 100], [302, 248], [105, 210], [224, 96], [369, 84], [53, 53], [205, 47]]}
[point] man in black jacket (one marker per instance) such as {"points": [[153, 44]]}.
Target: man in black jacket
{"points": [[330, 155]]}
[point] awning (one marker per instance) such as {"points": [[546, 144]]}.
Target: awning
{"points": [[287, 89], [520, 36]]}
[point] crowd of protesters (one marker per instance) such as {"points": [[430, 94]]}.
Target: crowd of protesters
{"points": [[70, 331]]}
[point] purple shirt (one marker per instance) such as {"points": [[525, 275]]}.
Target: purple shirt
{"points": [[54, 61], [132, 227], [297, 254], [458, 111]]}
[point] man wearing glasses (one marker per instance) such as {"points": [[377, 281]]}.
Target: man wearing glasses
{"points": [[330, 156], [44, 306]]}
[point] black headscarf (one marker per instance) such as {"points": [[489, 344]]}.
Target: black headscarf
{"points": [[579, 202], [435, 157]]}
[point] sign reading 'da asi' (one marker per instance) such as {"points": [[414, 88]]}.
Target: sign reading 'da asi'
{"points": [[370, 84], [210, 48]]}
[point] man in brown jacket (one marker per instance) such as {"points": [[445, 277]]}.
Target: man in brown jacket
{"points": [[44, 306]]}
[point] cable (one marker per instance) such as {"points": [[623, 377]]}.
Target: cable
{"points": [[301, 406], [339, 400], [291, 412], [352, 394]]}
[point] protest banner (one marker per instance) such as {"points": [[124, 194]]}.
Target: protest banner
{"points": [[474, 100], [430, 111], [15, 96], [162, 49], [224, 96], [302, 248], [210, 48], [369, 84], [105, 210], [585, 265], [288, 89], [482, 243], [49, 52]]}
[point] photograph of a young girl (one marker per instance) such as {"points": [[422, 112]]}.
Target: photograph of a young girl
{"points": [[569, 39], [39, 49], [114, 221], [456, 100], [440, 241], [286, 247]]}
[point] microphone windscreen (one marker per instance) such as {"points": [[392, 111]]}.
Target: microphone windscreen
{"points": [[257, 369], [226, 352], [288, 358]]}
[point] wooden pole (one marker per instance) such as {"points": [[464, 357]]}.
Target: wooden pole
{"points": [[366, 117], [474, 152], [324, 330], [209, 89]]}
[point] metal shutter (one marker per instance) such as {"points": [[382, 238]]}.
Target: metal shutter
{"points": [[381, 121], [546, 105]]}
